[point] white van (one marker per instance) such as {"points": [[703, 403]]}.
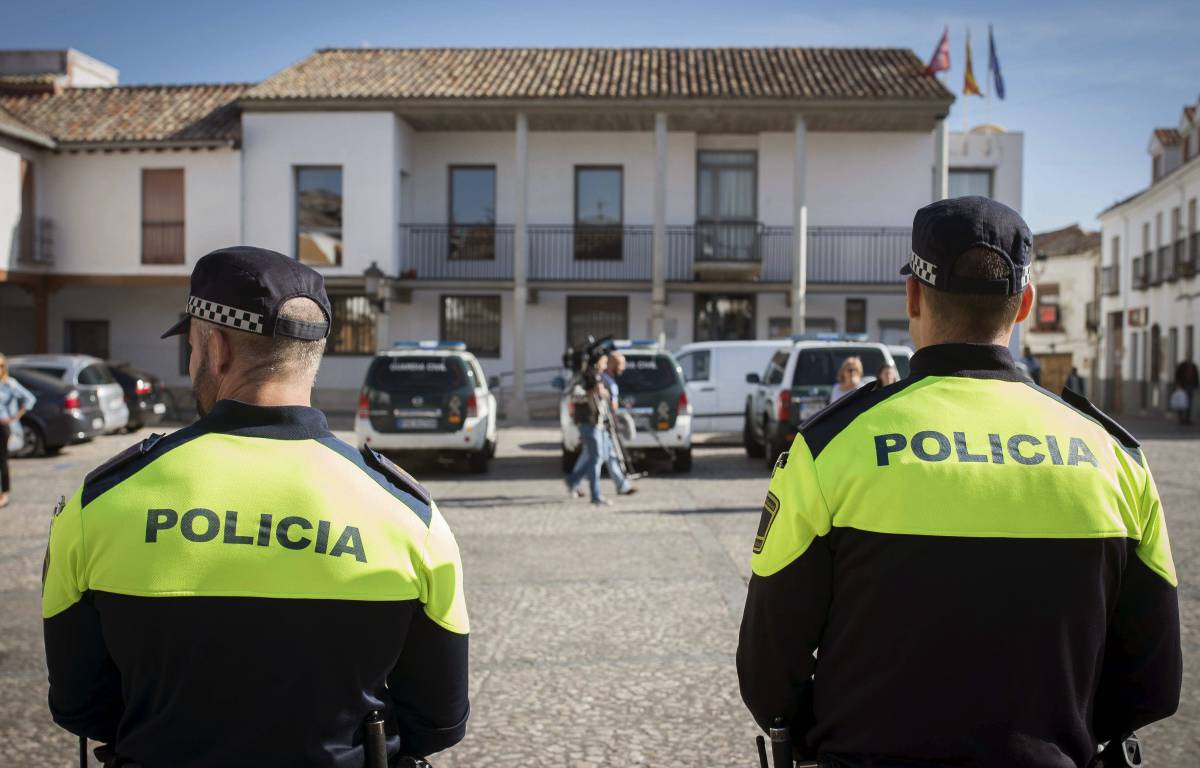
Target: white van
{"points": [[716, 379]]}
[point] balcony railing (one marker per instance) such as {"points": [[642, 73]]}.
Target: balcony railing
{"points": [[1192, 262], [1160, 266], [854, 255], [1110, 279], [36, 242]]}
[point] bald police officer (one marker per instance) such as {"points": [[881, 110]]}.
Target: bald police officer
{"points": [[980, 567], [245, 591]]}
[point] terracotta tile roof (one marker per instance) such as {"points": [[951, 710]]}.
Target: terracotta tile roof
{"points": [[1066, 241], [16, 128], [605, 73], [183, 114], [41, 83], [1168, 137]]}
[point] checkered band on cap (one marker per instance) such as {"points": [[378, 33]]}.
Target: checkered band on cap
{"points": [[225, 315], [925, 271]]}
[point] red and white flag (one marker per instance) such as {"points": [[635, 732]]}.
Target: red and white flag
{"points": [[940, 61]]}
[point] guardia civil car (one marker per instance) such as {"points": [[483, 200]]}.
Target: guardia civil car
{"points": [[428, 397], [653, 391]]}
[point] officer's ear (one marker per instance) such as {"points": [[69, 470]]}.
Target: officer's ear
{"points": [[220, 351], [1027, 297], [912, 297]]}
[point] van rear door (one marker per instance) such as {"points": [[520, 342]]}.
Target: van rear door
{"points": [[697, 365]]}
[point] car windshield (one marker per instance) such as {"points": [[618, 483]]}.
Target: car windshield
{"points": [[49, 370], [646, 373], [417, 374], [95, 375], [819, 367]]}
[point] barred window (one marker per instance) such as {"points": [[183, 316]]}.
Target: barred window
{"points": [[598, 316], [474, 320], [353, 327]]}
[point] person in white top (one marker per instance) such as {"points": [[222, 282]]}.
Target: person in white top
{"points": [[849, 378]]}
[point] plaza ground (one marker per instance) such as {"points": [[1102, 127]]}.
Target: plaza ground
{"points": [[600, 636]]}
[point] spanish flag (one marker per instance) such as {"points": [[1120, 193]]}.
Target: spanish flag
{"points": [[970, 87]]}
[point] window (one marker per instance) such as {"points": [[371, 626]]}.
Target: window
{"points": [[970, 181], [96, 375], [86, 337], [599, 212], [1157, 167], [472, 213], [352, 330], [856, 315], [28, 223], [1116, 250], [598, 316], [1192, 215], [474, 320], [776, 367], [695, 365], [1146, 236], [162, 216], [1189, 340], [724, 317], [819, 367], [319, 215], [1048, 318], [727, 206]]}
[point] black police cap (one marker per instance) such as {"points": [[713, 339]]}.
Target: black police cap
{"points": [[244, 287], [947, 229]]}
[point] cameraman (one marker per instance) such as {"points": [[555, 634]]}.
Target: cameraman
{"points": [[587, 396]]}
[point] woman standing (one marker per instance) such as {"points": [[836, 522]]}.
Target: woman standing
{"points": [[849, 378], [15, 400]]}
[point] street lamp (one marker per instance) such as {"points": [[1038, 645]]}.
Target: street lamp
{"points": [[376, 284]]}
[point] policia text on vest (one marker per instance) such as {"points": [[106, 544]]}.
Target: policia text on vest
{"points": [[931, 445], [202, 525]]}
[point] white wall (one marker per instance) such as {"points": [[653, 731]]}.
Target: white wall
{"points": [[10, 206], [1002, 153], [364, 144], [1075, 277], [95, 203]]}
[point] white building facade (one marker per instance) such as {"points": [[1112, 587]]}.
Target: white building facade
{"points": [[1150, 249], [531, 198]]}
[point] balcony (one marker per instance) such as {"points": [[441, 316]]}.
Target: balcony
{"points": [[1159, 271], [1139, 274], [1175, 263], [36, 242], [1192, 261], [562, 253], [1110, 279]]}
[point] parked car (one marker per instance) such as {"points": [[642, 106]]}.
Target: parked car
{"points": [[715, 372], [796, 385], [653, 391], [87, 374], [143, 395], [63, 415], [428, 397], [902, 355]]}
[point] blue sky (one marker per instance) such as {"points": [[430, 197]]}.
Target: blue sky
{"points": [[1086, 81]]}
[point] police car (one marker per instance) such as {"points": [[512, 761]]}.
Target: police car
{"points": [[653, 391], [428, 397], [796, 385]]}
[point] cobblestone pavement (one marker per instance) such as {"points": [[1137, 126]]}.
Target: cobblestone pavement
{"points": [[599, 636]]}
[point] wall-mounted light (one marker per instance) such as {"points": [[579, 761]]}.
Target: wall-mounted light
{"points": [[375, 281]]}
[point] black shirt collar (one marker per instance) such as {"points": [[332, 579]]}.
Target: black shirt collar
{"points": [[285, 422], [977, 361]]}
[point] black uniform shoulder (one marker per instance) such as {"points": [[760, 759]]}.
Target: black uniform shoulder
{"points": [[1088, 410], [820, 428], [129, 461], [397, 476]]}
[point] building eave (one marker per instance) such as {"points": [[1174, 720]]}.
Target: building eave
{"points": [[28, 136], [146, 145]]}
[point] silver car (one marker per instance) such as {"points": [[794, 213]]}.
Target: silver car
{"points": [[85, 373]]}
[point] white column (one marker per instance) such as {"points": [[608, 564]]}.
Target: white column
{"points": [[799, 225], [658, 286], [941, 161], [518, 408]]}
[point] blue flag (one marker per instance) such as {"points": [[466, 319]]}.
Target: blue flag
{"points": [[994, 65]]}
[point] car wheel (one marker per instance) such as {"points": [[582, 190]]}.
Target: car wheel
{"points": [[35, 443], [754, 449], [683, 460], [477, 462], [568, 460], [491, 447]]}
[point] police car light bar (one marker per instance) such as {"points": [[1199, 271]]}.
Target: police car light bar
{"points": [[430, 344], [627, 343], [826, 336]]}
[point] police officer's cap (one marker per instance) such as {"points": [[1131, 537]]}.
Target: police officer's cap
{"points": [[945, 230], [244, 288]]}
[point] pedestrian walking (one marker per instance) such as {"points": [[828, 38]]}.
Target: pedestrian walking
{"points": [[849, 378], [1187, 378], [588, 394], [15, 401], [1075, 382], [610, 458], [251, 590], [962, 568]]}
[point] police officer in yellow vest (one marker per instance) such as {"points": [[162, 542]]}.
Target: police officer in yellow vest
{"points": [[245, 591], [961, 568]]}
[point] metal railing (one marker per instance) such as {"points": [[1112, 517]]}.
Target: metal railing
{"points": [[1160, 266], [1192, 261], [36, 244], [854, 255], [1110, 279], [1140, 273], [1178, 256]]}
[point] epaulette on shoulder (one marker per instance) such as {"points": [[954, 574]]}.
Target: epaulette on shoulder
{"points": [[839, 405], [395, 475], [1087, 408], [124, 457]]}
